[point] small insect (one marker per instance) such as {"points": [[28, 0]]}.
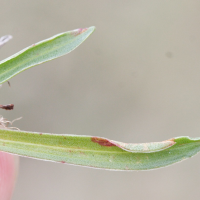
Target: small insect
{"points": [[7, 107]]}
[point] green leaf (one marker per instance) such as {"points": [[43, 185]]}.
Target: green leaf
{"points": [[98, 152], [43, 51], [82, 150]]}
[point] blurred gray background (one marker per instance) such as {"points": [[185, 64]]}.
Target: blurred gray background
{"points": [[135, 79]]}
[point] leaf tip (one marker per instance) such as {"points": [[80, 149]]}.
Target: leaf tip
{"points": [[79, 31]]}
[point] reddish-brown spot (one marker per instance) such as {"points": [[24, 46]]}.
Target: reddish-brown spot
{"points": [[4, 144], [33, 45], [102, 141], [62, 161], [40, 133], [79, 31]]}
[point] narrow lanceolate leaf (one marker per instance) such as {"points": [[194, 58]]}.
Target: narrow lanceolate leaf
{"points": [[98, 152], [43, 51]]}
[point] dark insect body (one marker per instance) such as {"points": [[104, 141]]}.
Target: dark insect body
{"points": [[7, 107]]}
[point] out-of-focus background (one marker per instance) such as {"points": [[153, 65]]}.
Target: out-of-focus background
{"points": [[135, 79]]}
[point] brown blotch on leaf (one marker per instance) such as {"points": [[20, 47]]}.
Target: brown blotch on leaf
{"points": [[102, 141]]}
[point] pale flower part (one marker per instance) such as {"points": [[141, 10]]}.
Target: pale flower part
{"points": [[9, 165], [4, 39]]}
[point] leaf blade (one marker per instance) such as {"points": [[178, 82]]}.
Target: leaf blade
{"points": [[83, 151], [43, 51]]}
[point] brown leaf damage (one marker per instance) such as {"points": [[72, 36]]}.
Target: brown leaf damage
{"points": [[135, 147], [102, 141]]}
